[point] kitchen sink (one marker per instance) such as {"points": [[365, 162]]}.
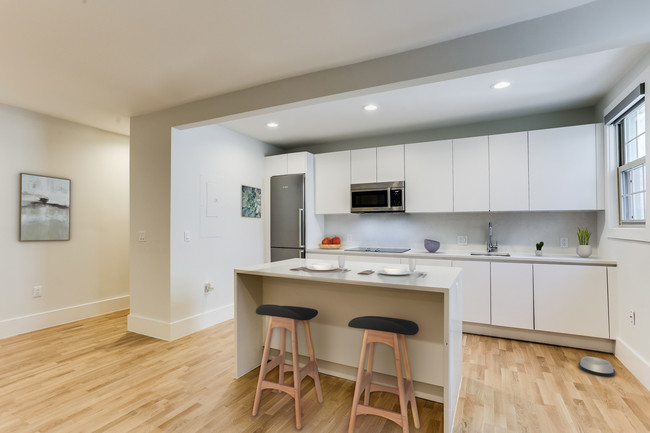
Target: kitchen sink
{"points": [[483, 253]]}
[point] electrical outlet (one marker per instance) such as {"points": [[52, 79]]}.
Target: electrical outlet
{"points": [[37, 291], [207, 288], [142, 236], [564, 242], [632, 317], [461, 240], [187, 237]]}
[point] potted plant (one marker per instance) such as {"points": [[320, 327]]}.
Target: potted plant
{"points": [[539, 245], [583, 249]]}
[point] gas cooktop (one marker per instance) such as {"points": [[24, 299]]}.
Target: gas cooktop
{"points": [[379, 250]]}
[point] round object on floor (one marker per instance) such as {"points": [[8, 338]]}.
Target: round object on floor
{"points": [[596, 366]]}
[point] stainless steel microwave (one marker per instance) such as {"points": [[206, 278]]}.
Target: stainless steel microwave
{"points": [[377, 197]]}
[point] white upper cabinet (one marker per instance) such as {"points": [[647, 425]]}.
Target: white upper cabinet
{"points": [[471, 174], [390, 163], [563, 168], [297, 162], [363, 165], [428, 177], [377, 164], [275, 165], [332, 187], [509, 172]]}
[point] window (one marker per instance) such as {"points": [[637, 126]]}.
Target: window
{"points": [[629, 120]]}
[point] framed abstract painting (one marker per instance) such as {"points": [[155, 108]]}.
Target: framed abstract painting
{"points": [[44, 208]]}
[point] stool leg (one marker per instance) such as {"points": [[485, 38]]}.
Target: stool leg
{"points": [[403, 400], [357, 387], [283, 348], [296, 373], [409, 383], [265, 358], [313, 368], [371, 359]]}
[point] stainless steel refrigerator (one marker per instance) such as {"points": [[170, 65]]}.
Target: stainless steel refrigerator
{"points": [[287, 217]]}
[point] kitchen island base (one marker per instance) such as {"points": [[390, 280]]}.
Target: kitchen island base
{"points": [[433, 302]]}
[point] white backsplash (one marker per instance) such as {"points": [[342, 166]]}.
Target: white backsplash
{"points": [[516, 232]]}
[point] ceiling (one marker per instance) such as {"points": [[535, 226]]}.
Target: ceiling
{"points": [[100, 62], [574, 82]]}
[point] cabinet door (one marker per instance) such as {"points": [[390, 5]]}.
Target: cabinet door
{"points": [[275, 165], [562, 167], [512, 294], [471, 175], [476, 290], [428, 177], [427, 262], [363, 165], [390, 163], [509, 171], [297, 163], [332, 182], [571, 299]]}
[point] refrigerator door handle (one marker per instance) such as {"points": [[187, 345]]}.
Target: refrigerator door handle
{"points": [[301, 218]]}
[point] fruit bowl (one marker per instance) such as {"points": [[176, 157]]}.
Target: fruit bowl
{"points": [[329, 246]]}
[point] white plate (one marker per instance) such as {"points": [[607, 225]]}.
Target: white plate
{"points": [[321, 267], [394, 271]]}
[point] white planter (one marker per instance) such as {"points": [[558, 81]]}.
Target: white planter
{"points": [[538, 252], [583, 250]]}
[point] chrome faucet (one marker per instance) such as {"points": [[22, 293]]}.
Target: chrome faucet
{"points": [[491, 246]]}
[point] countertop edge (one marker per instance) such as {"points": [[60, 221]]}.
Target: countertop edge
{"points": [[515, 258]]}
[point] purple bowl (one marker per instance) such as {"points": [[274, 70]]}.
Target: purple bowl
{"points": [[431, 245]]}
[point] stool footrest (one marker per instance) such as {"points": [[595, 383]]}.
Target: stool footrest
{"points": [[267, 384], [396, 417]]}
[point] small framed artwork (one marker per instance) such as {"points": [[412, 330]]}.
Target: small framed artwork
{"points": [[44, 208], [251, 202]]}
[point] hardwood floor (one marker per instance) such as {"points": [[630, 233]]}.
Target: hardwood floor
{"points": [[94, 376]]}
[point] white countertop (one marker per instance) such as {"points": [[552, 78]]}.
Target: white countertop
{"points": [[436, 278], [465, 255]]}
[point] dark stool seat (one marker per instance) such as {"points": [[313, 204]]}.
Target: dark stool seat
{"points": [[286, 317], [392, 332], [386, 324], [288, 311]]}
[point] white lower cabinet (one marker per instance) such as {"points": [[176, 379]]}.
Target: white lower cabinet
{"points": [[512, 294], [428, 262], [571, 299], [476, 290]]}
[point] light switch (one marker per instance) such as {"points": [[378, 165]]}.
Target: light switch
{"points": [[186, 236]]}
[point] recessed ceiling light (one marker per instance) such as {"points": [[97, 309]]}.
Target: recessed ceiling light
{"points": [[501, 85], [370, 107], [272, 124]]}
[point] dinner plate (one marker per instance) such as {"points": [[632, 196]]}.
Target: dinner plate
{"points": [[388, 270], [321, 267]]}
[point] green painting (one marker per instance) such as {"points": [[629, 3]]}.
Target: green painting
{"points": [[251, 202]]}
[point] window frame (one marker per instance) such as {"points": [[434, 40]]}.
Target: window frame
{"points": [[615, 119]]}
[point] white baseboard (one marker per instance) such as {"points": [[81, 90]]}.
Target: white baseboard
{"points": [[577, 341], [169, 331], [634, 362], [47, 319]]}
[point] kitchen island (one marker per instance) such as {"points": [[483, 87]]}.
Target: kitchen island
{"points": [[431, 296]]}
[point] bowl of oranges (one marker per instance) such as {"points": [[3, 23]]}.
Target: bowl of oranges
{"points": [[330, 243]]}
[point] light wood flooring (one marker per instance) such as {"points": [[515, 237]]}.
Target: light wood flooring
{"points": [[94, 376]]}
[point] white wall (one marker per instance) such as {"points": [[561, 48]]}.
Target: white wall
{"points": [[87, 275], [515, 231], [631, 249], [225, 160]]}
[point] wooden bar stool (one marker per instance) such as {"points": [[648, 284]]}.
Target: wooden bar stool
{"points": [[391, 332], [286, 318]]}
